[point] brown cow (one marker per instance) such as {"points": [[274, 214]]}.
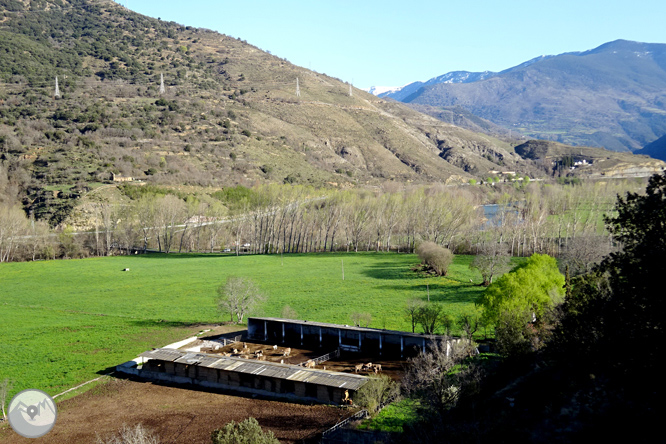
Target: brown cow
{"points": [[310, 364], [358, 368], [287, 352]]}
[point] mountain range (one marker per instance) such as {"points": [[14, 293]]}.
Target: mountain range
{"points": [[613, 96], [176, 105]]}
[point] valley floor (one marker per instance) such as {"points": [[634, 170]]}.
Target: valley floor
{"points": [[176, 415]]}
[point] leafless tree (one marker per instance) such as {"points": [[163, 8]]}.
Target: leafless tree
{"points": [[13, 226], [583, 252], [169, 212], [430, 378], [492, 260], [238, 296], [411, 311], [130, 435], [361, 319], [5, 388]]}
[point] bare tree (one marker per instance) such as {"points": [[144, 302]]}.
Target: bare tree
{"points": [[583, 252], [5, 388], [430, 379], [169, 212], [493, 259], [361, 319], [13, 225], [130, 435], [238, 296], [411, 310]]}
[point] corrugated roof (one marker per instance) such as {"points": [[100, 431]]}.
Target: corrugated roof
{"points": [[347, 327], [263, 368]]}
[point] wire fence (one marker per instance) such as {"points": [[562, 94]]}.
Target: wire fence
{"points": [[323, 358]]}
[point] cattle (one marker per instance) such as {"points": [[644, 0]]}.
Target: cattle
{"points": [[234, 351], [259, 353], [310, 364], [377, 368], [244, 345], [281, 361], [275, 347], [358, 368], [287, 352]]}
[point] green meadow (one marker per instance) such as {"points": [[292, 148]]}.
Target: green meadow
{"points": [[64, 322]]}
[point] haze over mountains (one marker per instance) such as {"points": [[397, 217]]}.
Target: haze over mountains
{"points": [[613, 96]]}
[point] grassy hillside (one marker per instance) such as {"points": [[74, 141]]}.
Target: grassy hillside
{"points": [[64, 321], [229, 114]]}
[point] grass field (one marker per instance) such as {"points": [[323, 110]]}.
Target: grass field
{"points": [[62, 322]]}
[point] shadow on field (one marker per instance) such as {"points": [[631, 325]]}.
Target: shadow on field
{"points": [[390, 270], [439, 292], [165, 323], [156, 255]]}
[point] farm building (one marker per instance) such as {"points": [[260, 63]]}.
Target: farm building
{"points": [[245, 375], [369, 341]]}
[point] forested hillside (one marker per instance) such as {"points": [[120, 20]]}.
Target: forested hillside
{"points": [[229, 113]]}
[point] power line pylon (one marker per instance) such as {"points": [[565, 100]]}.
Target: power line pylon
{"points": [[56, 94], [298, 89], [162, 89]]}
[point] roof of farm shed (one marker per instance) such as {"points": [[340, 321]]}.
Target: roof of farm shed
{"points": [[347, 327], [263, 368]]}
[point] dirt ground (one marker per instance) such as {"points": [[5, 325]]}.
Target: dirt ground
{"points": [[176, 415], [345, 363]]}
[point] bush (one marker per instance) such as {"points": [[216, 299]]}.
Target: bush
{"points": [[375, 392], [244, 432], [130, 435], [435, 257]]}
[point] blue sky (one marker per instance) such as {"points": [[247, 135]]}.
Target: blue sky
{"points": [[392, 43]]}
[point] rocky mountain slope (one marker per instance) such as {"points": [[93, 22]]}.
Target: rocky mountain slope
{"points": [[613, 96], [225, 113]]}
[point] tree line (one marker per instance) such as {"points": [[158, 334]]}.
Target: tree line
{"points": [[273, 219]]}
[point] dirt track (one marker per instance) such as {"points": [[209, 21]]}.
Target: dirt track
{"points": [[177, 415]]}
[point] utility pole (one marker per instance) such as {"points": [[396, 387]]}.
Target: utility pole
{"points": [[57, 90], [162, 89], [298, 89]]}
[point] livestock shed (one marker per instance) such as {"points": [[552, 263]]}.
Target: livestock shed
{"points": [[245, 375], [371, 341]]}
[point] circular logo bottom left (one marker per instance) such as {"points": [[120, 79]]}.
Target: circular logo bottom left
{"points": [[32, 413]]}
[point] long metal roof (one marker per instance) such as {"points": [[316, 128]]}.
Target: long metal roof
{"points": [[263, 368], [348, 327]]}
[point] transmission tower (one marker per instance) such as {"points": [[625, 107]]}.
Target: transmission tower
{"points": [[162, 90], [57, 90], [350, 90], [298, 89]]}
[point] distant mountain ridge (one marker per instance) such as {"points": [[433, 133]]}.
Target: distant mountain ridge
{"points": [[613, 96]]}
